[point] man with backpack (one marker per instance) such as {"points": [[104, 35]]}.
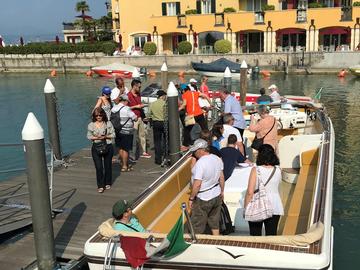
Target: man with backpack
{"points": [[122, 118]]}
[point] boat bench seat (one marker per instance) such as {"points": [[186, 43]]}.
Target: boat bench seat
{"points": [[297, 215]]}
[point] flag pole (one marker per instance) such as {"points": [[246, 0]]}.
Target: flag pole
{"points": [[192, 233]]}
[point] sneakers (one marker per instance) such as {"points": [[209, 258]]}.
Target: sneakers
{"points": [[145, 155]]}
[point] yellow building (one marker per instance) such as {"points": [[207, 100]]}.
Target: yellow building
{"points": [[292, 25]]}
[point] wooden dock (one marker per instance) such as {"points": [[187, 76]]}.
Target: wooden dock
{"points": [[75, 192]]}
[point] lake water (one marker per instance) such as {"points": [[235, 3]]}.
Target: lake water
{"points": [[23, 93]]}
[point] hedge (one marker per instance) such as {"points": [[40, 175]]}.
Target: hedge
{"points": [[149, 48], [222, 46], [229, 10], [356, 4], [315, 5], [191, 11], [53, 48], [184, 47]]}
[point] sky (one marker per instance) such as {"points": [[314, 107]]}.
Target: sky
{"points": [[40, 19]]}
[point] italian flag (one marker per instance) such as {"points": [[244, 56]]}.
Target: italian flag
{"points": [[138, 250]]}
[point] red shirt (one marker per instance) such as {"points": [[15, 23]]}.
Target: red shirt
{"points": [[135, 100], [205, 89]]}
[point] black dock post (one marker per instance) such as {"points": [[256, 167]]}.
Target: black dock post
{"points": [[34, 147], [52, 119], [243, 83], [173, 118], [164, 77]]}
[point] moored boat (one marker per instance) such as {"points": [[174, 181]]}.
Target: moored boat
{"points": [[355, 70], [305, 235], [217, 68], [114, 70]]}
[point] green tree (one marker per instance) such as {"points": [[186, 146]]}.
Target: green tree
{"points": [[82, 7]]}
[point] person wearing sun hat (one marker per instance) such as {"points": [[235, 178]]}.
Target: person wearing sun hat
{"points": [[207, 188], [124, 218], [193, 85], [275, 96]]}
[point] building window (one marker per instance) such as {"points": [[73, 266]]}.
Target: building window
{"points": [[206, 6], [171, 8], [255, 5], [139, 41]]}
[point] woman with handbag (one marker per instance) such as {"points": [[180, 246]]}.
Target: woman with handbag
{"points": [[265, 128], [262, 200], [101, 132]]}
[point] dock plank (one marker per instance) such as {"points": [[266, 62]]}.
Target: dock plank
{"points": [[84, 208]]}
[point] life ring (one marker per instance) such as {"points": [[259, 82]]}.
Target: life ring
{"points": [[265, 73], [342, 73], [53, 73]]}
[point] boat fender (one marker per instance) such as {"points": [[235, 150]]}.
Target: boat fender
{"points": [[265, 73], [53, 73], [342, 73], [89, 73]]}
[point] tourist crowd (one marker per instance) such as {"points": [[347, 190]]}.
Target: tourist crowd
{"points": [[120, 122]]}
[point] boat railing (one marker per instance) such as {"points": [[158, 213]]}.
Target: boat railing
{"points": [[110, 251], [9, 172], [318, 208]]}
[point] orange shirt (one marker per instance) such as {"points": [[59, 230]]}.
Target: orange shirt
{"points": [[192, 103]]}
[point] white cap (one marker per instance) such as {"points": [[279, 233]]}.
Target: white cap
{"points": [[32, 129], [227, 73], [49, 87], [172, 91], [273, 86], [164, 67], [114, 93], [192, 80], [199, 144]]}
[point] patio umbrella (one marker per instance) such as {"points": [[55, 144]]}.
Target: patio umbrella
{"points": [[195, 39], [148, 38], [120, 42], [21, 41], [57, 40]]}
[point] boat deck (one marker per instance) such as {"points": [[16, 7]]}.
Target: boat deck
{"points": [[75, 193]]}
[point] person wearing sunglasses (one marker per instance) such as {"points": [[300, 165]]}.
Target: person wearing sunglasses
{"points": [[101, 132]]}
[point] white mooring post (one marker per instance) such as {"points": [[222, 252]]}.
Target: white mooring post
{"points": [[164, 76], [34, 147]]}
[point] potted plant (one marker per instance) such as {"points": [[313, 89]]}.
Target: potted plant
{"points": [[268, 7], [229, 10]]}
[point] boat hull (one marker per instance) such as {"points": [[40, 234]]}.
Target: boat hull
{"points": [[355, 71]]}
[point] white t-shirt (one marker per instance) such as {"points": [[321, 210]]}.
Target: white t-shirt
{"points": [[228, 130], [275, 96], [208, 169]]}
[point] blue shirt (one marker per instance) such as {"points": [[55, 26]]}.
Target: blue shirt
{"points": [[133, 226], [233, 106]]}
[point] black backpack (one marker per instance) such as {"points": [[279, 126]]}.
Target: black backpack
{"points": [[116, 120], [226, 226]]}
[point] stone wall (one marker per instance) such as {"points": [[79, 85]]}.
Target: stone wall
{"points": [[83, 62]]}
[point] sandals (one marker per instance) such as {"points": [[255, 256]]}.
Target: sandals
{"points": [[126, 169], [107, 187], [100, 190]]}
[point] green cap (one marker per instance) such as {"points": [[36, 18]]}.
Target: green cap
{"points": [[120, 207]]}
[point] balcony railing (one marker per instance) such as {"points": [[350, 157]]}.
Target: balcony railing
{"points": [[219, 19], [181, 21], [259, 17], [301, 15]]}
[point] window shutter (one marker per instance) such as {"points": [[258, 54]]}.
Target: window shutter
{"points": [[178, 8], [163, 5], [198, 7], [213, 6]]}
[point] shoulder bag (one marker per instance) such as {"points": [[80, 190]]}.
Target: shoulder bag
{"points": [[189, 118], [257, 142], [259, 208], [101, 147]]}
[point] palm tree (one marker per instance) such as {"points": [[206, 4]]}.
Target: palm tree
{"points": [[82, 7]]}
